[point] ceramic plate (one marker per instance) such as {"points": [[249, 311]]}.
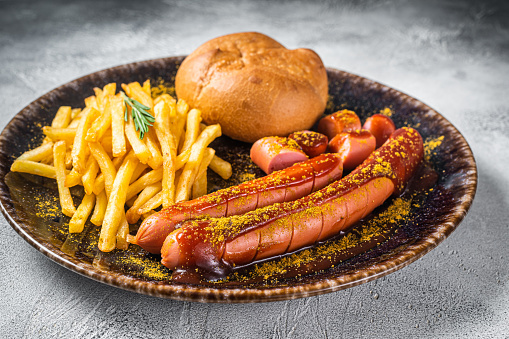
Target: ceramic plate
{"points": [[30, 204]]}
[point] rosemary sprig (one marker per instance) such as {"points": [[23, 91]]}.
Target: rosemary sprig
{"points": [[141, 117]]}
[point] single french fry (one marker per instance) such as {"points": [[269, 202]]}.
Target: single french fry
{"points": [[77, 222], [72, 179], [57, 134], [91, 102], [200, 185], [167, 141], [181, 113], [148, 192], [140, 149], [131, 239], [98, 184], [190, 169], [62, 118], [122, 232], [32, 167], [208, 155], [110, 89], [156, 159], [80, 149], [101, 123], [147, 179], [107, 143], [75, 112], [146, 87], [99, 98], [66, 202], [108, 170], [39, 153], [151, 204], [138, 94], [90, 174], [221, 167], [138, 172], [178, 174], [116, 201], [101, 201], [182, 158], [68, 159], [126, 90], [192, 128], [117, 126]]}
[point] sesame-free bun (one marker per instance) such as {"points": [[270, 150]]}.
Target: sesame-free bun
{"points": [[253, 86]]}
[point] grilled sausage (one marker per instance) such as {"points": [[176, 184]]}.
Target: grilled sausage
{"points": [[211, 245], [287, 185]]}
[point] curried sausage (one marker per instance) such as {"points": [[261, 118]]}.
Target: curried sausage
{"points": [[215, 245], [286, 185]]}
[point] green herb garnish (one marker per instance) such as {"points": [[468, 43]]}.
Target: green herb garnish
{"points": [[141, 117]]}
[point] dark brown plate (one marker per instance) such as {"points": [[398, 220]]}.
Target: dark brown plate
{"points": [[428, 224]]}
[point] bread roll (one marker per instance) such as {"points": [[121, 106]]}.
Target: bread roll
{"points": [[253, 86]]}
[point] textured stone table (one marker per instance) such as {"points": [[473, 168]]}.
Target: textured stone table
{"points": [[453, 56]]}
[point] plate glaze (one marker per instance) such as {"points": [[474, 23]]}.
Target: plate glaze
{"points": [[427, 226]]}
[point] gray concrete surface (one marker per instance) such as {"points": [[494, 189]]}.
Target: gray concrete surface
{"points": [[452, 55]]}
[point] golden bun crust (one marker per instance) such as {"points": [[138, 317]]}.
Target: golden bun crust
{"points": [[253, 86]]}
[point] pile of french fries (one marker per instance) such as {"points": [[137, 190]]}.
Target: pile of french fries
{"points": [[96, 148]]}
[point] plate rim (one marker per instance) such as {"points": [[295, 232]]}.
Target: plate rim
{"points": [[393, 263]]}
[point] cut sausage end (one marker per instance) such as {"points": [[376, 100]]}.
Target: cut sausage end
{"points": [[381, 126], [170, 251], [312, 143], [353, 147], [276, 153], [339, 122]]}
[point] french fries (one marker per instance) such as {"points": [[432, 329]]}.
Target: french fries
{"points": [[100, 147], [190, 169]]}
